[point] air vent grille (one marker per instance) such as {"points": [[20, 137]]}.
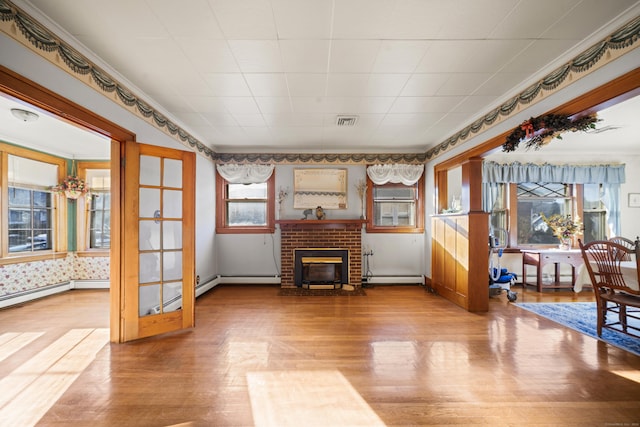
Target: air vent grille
{"points": [[346, 120]]}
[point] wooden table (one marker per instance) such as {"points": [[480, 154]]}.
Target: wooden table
{"points": [[542, 257]]}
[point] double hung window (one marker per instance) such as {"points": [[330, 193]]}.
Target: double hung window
{"points": [[34, 219], [395, 207], [245, 208]]}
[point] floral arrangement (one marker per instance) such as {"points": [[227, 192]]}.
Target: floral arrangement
{"points": [[563, 227], [283, 193], [71, 183], [538, 131], [361, 188]]}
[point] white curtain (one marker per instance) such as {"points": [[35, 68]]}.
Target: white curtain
{"points": [[245, 174], [395, 173]]}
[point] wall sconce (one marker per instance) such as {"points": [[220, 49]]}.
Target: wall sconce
{"points": [[24, 115]]}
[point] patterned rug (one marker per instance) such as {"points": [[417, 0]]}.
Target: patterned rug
{"points": [[303, 292], [582, 317]]}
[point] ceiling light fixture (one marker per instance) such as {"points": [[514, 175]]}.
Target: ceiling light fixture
{"points": [[24, 115]]}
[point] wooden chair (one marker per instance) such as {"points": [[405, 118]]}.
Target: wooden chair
{"points": [[614, 297], [624, 242]]}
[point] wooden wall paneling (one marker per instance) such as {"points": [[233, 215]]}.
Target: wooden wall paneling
{"points": [[478, 272], [450, 255], [462, 261]]}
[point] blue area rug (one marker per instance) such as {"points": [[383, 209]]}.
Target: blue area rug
{"points": [[582, 317]]}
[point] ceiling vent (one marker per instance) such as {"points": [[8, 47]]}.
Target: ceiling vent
{"points": [[346, 120]]}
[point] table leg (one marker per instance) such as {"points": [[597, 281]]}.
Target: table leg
{"points": [[539, 274]]}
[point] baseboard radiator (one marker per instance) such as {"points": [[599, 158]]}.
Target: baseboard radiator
{"points": [[394, 280], [250, 280], [33, 294]]}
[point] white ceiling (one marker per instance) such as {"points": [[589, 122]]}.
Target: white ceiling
{"points": [[50, 134], [272, 75]]}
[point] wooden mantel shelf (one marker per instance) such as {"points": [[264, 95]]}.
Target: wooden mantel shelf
{"points": [[320, 223]]}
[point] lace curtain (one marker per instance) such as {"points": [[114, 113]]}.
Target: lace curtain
{"points": [[495, 175], [245, 174], [395, 173]]}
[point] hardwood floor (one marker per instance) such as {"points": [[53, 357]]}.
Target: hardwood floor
{"points": [[398, 356]]}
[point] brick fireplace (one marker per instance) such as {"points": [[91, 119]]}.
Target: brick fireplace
{"points": [[305, 234]]}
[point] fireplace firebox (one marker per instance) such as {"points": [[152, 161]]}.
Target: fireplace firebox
{"points": [[321, 268]]}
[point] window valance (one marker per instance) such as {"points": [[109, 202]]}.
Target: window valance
{"points": [[569, 174], [610, 176], [395, 173], [245, 173]]}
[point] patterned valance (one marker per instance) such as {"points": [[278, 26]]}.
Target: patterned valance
{"points": [[567, 174], [395, 173], [245, 174]]}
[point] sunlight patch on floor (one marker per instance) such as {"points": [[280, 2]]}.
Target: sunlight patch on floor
{"points": [[632, 375], [308, 398], [31, 389], [11, 342]]}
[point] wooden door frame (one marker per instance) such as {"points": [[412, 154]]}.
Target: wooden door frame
{"points": [[49, 102]]}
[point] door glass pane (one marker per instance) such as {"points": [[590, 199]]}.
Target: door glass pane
{"points": [[149, 170], [172, 204], [149, 232], [172, 266], [149, 202], [172, 173], [148, 300], [172, 235], [172, 296], [149, 267]]}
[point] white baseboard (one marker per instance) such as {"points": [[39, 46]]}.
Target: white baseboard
{"points": [[26, 296], [90, 284], [207, 285], [395, 280], [250, 280]]}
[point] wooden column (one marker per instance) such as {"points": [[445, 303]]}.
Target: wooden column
{"points": [[472, 185]]}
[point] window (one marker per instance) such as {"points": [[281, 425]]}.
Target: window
{"points": [[535, 198], [594, 215], [245, 208], [527, 226], [94, 212], [30, 220], [499, 214], [395, 208], [34, 217], [99, 220]]}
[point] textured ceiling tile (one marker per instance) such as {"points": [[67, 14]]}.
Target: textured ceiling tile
{"points": [[257, 56], [227, 84], [297, 19], [245, 19], [267, 84], [305, 56]]}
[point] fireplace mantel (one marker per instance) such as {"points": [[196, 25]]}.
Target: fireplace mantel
{"points": [[316, 224]]}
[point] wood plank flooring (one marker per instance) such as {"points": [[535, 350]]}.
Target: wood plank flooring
{"points": [[399, 356]]}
